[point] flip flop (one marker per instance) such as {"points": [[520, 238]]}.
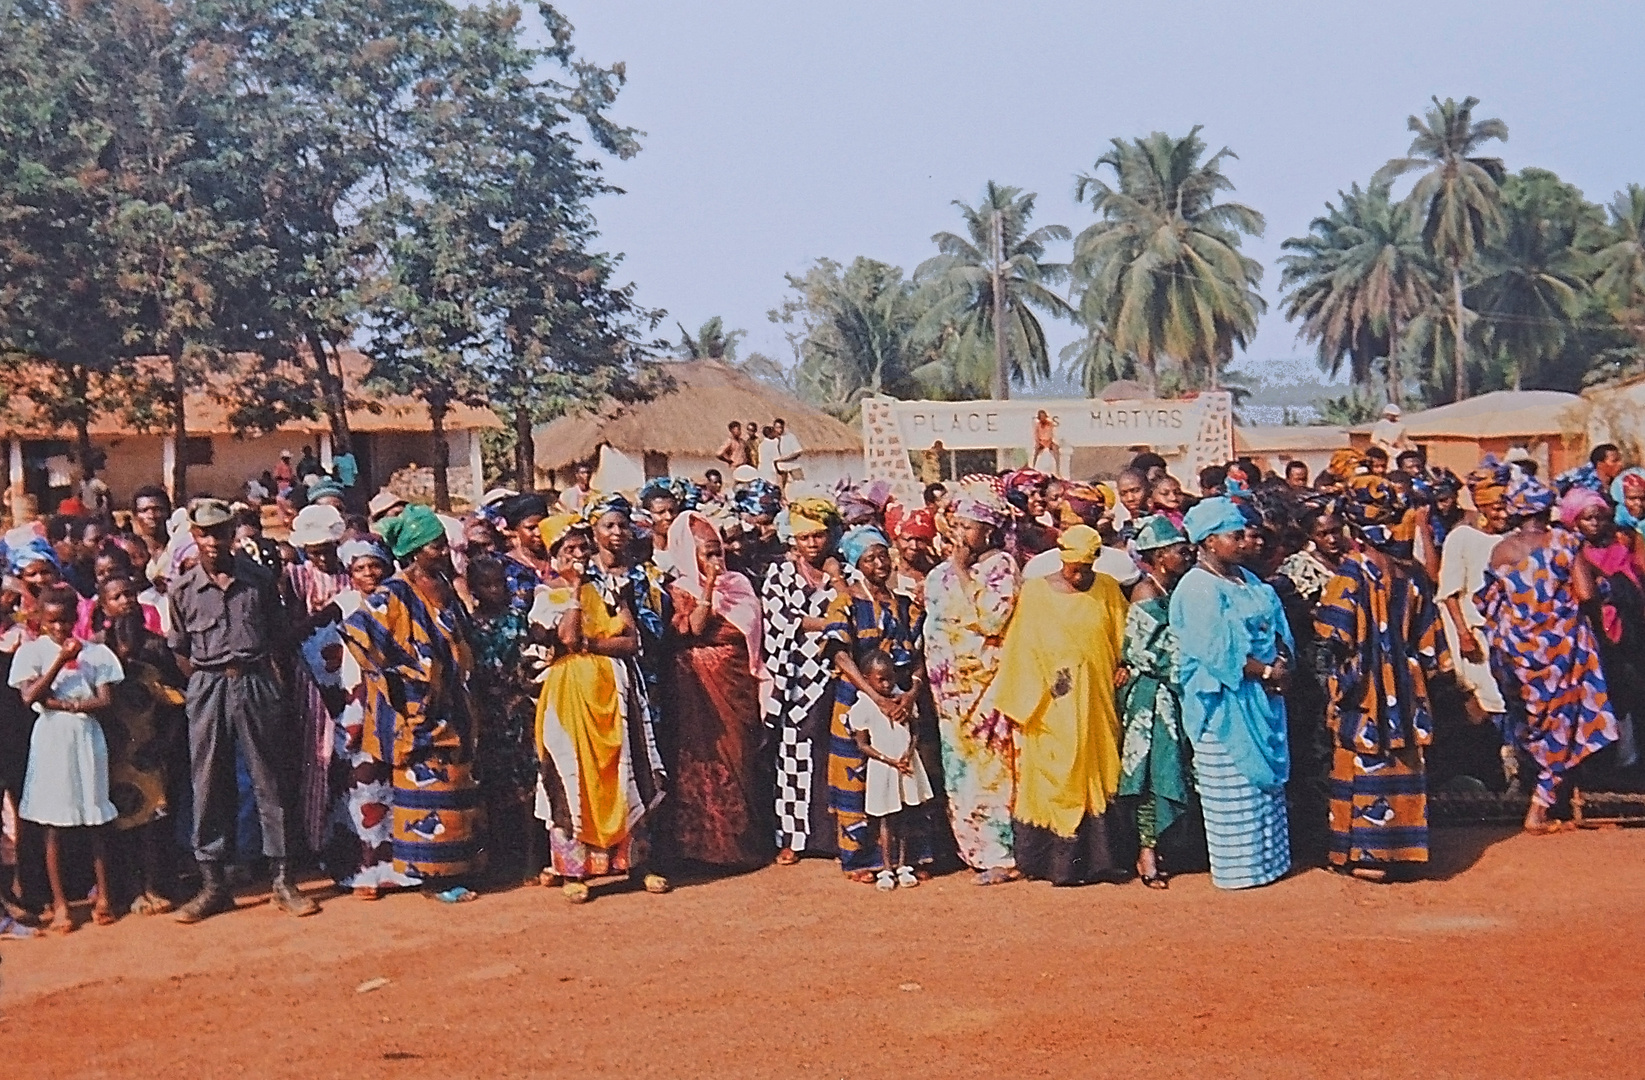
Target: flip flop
{"points": [[999, 875], [13, 930], [102, 916], [457, 894]]}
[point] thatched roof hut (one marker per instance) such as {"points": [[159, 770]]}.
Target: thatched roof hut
{"points": [[678, 432]]}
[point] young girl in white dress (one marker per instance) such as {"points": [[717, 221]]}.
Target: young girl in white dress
{"points": [[67, 681], [896, 783]]}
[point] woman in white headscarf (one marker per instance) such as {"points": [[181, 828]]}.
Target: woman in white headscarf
{"points": [[311, 589]]}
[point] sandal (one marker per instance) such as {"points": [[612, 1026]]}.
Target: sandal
{"points": [[657, 885], [367, 892], [457, 894], [906, 878], [151, 903], [999, 875], [861, 877], [1155, 880], [575, 892], [546, 878], [786, 857], [102, 916], [885, 881], [13, 930], [1376, 875]]}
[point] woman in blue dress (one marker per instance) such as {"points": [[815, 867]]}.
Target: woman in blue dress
{"points": [[1235, 645]]}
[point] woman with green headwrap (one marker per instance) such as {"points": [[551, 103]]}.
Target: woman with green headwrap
{"points": [[411, 640], [1155, 755]]}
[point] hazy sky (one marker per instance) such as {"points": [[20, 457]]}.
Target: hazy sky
{"points": [[780, 131]]}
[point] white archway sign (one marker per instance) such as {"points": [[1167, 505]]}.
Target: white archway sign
{"points": [[1194, 432]]}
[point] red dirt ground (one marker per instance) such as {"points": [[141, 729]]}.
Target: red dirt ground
{"points": [[1522, 958]]}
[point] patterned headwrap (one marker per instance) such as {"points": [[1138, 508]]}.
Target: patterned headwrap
{"points": [[555, 529], [1577, 500], [1488, 484], [1344, 463], [412, 529], [1157, 531], [812, 514], [864, 503], [757, 497], [348, 552], [608, 504], [26, 551], [1377, 507], [1528, 496], [917, 524], [685, 493], [856, 542], [1021, 483], [1633, 483], [980, 504], [1210, 517], [1083, 503]]}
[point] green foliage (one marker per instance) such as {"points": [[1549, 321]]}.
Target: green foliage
{"points": [[1357, 406], [1356, 282], [986, 285], [710, 342], [1161, 272]]}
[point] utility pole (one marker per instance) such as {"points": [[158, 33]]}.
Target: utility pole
{"points": [[1002, 374]]}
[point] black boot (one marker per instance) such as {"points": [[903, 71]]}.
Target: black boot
{"points": [[286, 896], [213, 897]]}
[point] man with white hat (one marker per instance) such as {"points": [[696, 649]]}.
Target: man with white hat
{"points": [[384, 504], [1389, 432]]}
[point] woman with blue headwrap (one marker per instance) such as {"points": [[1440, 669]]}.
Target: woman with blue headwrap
{"points": [[1542, 647], [865, 617], [1233, 638]]}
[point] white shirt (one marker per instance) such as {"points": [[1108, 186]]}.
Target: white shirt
{"points": [[788, 452], [769, 449], [1111, 561], [1390, 435], [1462, 565]]}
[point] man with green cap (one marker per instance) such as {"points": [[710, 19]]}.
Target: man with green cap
{"points": [[226, 621]]}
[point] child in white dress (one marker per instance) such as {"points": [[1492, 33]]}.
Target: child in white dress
{"points": [[67, 681], [896, 780]]}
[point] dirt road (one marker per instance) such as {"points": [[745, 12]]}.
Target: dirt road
{"points": [[1522, 958]]}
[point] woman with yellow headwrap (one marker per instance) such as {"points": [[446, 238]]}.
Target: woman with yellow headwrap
{"points": [[795, 597], [1056, 684], [602, 773]]}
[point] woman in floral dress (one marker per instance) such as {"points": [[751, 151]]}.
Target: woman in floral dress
{"points": [[969, 601]]}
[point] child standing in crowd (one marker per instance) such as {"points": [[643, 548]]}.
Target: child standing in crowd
{"points": [[67, 681], [897, 785]]}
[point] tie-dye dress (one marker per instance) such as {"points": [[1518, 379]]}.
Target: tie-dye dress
{"points": [[965, 622], [1542, 646], [1383, 636]]}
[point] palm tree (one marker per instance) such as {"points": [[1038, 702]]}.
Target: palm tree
{"points": [[1458, 197], [1161, 271], [711, 341], [1618, 259], [1356, 281], [987, 283], [1531, 282]]}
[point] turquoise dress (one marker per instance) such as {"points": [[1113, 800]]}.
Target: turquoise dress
{"points": [[1241, 757]]}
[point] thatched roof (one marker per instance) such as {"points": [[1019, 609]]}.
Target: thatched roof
{"points": [[689, 419], [1501, 414], [207, 412]]}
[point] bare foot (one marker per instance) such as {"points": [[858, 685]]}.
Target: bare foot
{"points": [[1536, 819]]}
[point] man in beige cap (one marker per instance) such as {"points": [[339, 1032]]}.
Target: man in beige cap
{"points": [[226, 621], [384, 504]]}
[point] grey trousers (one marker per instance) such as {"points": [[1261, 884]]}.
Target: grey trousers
{"points": [[223, 710]]}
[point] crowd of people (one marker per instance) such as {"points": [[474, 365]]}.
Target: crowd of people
{"points": [[1026, 676]]}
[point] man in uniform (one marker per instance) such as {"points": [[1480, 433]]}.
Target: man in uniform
{"points": [[226, 622]]}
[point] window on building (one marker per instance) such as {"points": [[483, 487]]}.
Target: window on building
{"points": [[197, 450]]}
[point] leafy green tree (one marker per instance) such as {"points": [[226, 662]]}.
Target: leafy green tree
{"points": [[1457, 198], [1618, 259], [1532, 277], [1161, 270], [988, 283], [1356, 281], [711, 341]]}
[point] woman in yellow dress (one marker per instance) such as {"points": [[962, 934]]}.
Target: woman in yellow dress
{"points": [[1056, 684], [601, 772]]}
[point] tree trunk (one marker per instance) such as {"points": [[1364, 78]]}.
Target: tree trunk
{"points": [[1394, 390], [179, 423], [1002, 373], [437, 408], [1461, 347], [80, 380], [525, 450], [333, 397]]}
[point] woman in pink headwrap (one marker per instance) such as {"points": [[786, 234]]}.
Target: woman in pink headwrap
{"points": [[1617, 610], [717, 681]]}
